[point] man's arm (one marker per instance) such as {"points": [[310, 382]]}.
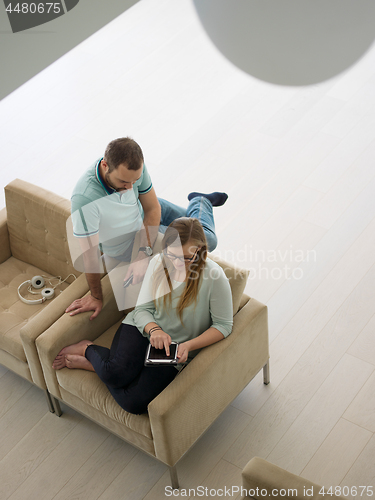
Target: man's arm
{"points": [[92, 267], [151, 222]]}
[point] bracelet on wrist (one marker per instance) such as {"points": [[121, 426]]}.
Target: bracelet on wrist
{"points": [[153, 329]]}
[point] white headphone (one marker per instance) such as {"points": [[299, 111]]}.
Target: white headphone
{"points": [[38, 282]]}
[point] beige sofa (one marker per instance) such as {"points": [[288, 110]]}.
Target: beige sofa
{"points": [[32, 242], [190, 404], [261, 479]]}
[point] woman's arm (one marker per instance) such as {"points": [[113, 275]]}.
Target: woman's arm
{"points": [[158, 338], [205, 339], [145, 308], [221, 305], [144, 311], [221, 312]]}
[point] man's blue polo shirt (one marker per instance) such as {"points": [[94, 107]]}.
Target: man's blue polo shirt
{"points": [[98, 209]]}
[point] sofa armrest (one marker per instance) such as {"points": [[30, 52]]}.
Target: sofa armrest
{"points": [[200, 393], [69, 330], [42, 321], [5, 251]]}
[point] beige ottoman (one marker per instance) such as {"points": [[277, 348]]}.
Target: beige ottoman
{"points": [[261, 479]]}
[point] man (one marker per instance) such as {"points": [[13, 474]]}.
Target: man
{"points": [[112, 202]]}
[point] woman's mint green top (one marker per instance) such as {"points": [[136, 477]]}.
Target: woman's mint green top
{"points": [[212, 309]]}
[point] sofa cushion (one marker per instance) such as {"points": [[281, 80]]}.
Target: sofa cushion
{"points": [[13, 312], [89, 388], [36, 221], [237, 279]]}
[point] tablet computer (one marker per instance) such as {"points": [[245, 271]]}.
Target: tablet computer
{"points": [[158, 357]]}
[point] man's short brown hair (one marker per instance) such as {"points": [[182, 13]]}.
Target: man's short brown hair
{"points": [[123, 150]]}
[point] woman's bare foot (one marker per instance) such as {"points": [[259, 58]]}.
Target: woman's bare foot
{"points": [[78, 349], [60, 362], [76, 361]]}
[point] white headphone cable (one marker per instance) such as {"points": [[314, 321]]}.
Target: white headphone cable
{"points": [[60, 281]]}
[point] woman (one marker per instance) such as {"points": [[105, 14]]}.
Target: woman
{"points": [[185, 298]]}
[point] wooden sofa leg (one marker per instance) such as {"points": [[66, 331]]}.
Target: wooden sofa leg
{"points": [[49, 401], [56, 406], [266, 373], [174, 477]]}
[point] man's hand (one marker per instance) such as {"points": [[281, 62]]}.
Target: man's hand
{"points": [[160, 339], [183, 351], [87, 303], [138, 269]]}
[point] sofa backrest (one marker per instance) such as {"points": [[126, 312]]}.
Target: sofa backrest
{"points": [[237, 279], [36, 220]]}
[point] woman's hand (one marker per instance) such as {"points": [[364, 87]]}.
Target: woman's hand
{"points": [[183, 351], [160, 339]]}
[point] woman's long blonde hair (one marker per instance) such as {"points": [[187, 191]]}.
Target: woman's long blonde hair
{"points": [[179, 232]]}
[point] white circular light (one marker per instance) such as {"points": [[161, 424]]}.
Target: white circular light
{"points": [[290, 42]]}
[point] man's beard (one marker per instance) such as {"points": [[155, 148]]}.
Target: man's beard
{"points": [[111, 186]]}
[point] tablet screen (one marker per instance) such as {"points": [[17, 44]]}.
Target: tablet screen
{"points": [[159, 355]]}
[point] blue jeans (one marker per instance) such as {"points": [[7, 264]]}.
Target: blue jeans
{"points": [[200, 208]]}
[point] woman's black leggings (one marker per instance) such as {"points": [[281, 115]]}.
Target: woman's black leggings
{"points": [[122, 369]]}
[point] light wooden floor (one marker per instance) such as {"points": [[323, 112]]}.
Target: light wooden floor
{"points": [[299, 167]]}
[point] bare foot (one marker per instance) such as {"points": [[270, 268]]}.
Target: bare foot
{"points": [[78, 348], [60, 362], [76, 361]]}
